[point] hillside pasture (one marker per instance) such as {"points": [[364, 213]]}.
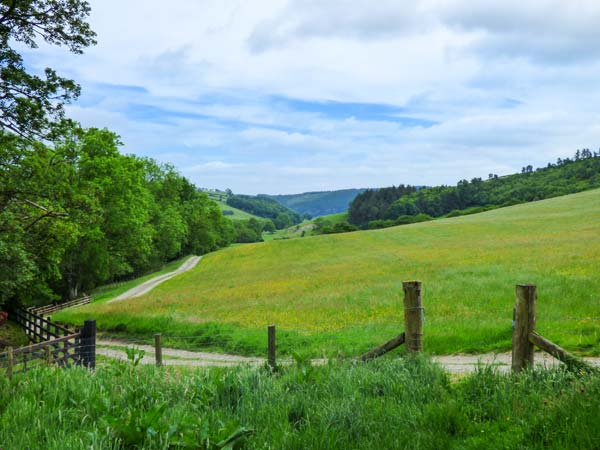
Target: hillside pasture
{"points": [[238, 214], [343, 293]]}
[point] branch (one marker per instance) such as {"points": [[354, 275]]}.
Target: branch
{"points": [[47, 213], [9, 11]]}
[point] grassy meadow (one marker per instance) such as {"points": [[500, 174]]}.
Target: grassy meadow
{"points": [[335, 218], [292, 232], [342, 294], [389, 404], [238, 214]]}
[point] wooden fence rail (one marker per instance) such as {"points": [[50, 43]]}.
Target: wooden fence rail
{"points": [[50, 309], [37, 327], [77, 349]]}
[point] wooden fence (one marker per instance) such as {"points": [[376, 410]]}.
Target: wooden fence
{"points": [[37, 327], [50, 309], [59, 345], [53, 344], [524, 338], [412, 335]]}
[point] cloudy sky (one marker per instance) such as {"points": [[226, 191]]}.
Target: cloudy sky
{"points": [[286, 96]]}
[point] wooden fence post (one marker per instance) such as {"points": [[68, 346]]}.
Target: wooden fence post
{"points": [[524, 324], [49, 355], [271, 347], [48, 328], [413, 316], [88, 341], [158, 349], [11, 362]]}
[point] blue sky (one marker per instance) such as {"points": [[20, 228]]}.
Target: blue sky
{"points": [[286, 96]]}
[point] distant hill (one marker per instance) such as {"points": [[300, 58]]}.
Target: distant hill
{"points": [[319, 203]]}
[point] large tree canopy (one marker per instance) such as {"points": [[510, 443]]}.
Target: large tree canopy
{"points": [[31, 104], [77, 213]]}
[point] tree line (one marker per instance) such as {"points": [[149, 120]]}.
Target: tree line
{"points": [[79, 213], [378, 208]]}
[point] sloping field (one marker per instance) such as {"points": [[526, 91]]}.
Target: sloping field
{"points": [[238, 214], [344, 292]]}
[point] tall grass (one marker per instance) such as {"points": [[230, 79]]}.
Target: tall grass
{"points": [[344, 292], [387, 404]]}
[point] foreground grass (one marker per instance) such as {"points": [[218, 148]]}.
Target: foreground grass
{"points": [[394, 404], [343, 293]]}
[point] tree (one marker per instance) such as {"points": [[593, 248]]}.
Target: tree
{"points": [[268, 226], [32, 105], [247, 231], [282, 221], [33, 186]]}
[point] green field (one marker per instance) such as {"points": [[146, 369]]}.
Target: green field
{"points": [[335, 218], [343, 293], [238, 214], [307, 227], [292, 232]]}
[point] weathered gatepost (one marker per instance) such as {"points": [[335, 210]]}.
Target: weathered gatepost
{"points": [[525, 338], [413, 324], [413, 316], [271, 347], [524, 323]]}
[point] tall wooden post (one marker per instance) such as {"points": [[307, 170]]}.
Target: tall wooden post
{"points": [[271, 347], [524, 324], [158, 349], [413, 316], [88, 341]]}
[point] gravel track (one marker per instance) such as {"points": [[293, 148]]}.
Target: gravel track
{"points": [[456, 364], [147, 286]]}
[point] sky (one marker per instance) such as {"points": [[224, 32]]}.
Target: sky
{"points": [[288, 96]]}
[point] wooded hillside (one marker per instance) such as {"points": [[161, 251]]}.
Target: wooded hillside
{"points": [[397, 204]]}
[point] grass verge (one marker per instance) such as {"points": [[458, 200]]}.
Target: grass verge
{"points": [[393, 404]]}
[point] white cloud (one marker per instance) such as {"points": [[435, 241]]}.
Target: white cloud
{"points": [[239, 94]]}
